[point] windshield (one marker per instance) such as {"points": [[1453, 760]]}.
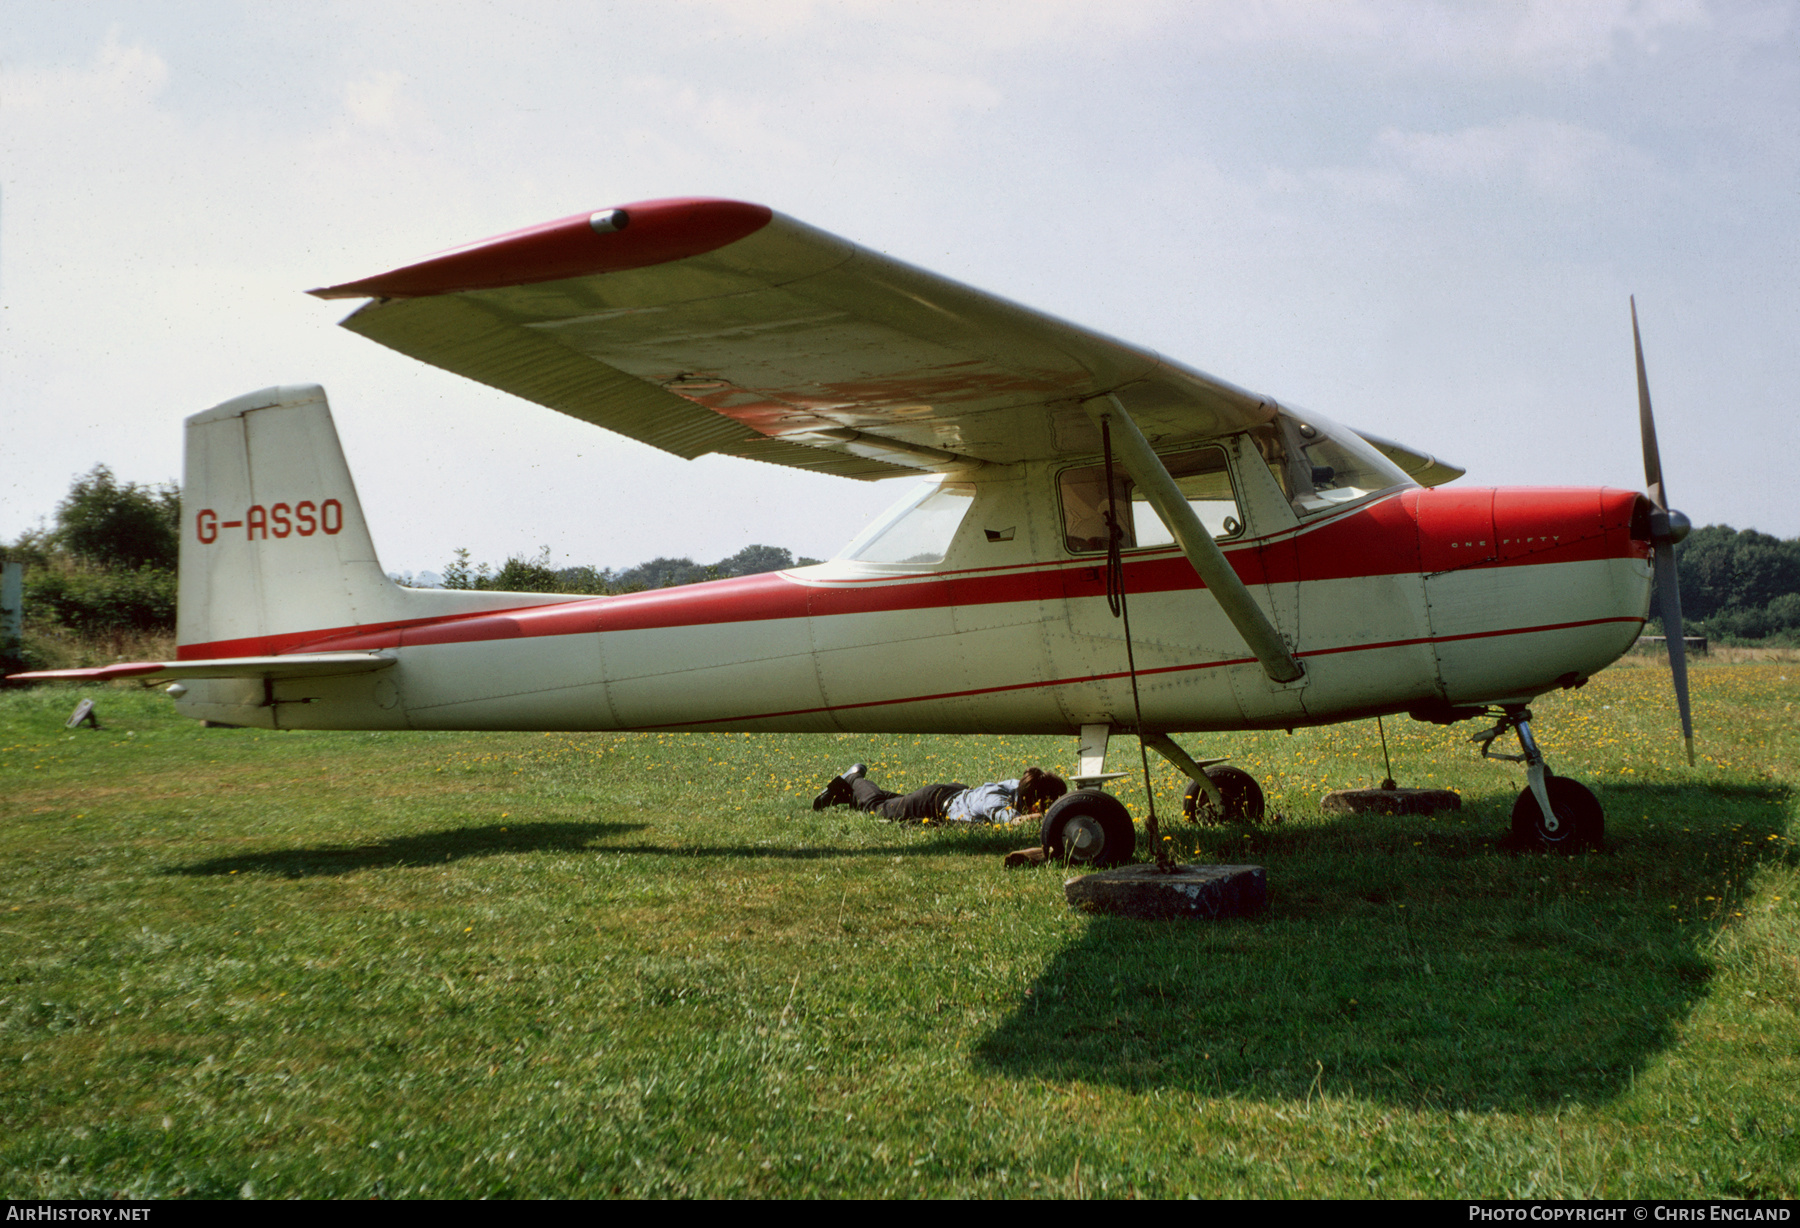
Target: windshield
{"points": [[1321, 465], [916, 530]]}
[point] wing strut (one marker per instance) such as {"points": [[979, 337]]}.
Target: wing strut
{"points": [[1159, 488]]}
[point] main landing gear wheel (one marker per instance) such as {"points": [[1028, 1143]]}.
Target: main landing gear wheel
{"points": [[1580, 822], [1243, 798], [1089, 827]]}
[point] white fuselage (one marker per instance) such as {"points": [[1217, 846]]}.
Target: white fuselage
{"points": [[1414, 598]]}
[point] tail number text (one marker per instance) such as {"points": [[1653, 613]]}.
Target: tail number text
{"points": [[304, 518]]}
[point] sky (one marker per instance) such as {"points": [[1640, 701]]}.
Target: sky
{"points": [[1420, 219]]}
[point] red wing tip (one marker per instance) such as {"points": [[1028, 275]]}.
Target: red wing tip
{"points": [[608, 240]]}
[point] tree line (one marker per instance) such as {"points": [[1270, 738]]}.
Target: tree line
{"points": [[1739, 584], [536, 575]]}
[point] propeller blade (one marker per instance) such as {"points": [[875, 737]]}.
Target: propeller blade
{"points": [[1670, 527], [1668, 589], [1653, 479]]}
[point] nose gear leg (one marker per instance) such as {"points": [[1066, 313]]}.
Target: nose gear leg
{"points": [[1517, 717], [1552, 812]]}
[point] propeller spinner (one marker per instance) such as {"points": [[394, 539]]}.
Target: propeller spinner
{"points": [[1666, 528]]}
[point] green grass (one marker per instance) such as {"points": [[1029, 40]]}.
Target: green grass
{"points": [[351, 965]]}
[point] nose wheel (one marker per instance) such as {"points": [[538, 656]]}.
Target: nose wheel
{"points": [[1579, 822], [1553, 813]]}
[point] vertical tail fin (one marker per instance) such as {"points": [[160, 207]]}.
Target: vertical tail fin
{"points": [[273, 536]]}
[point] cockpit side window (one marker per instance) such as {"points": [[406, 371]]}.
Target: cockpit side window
{"points": [[1201, 474], [1321, 466]]}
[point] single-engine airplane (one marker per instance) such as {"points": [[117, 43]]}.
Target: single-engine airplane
{"points": [[1281, 570]]}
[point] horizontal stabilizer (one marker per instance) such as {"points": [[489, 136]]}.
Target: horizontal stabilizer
{"points": [[296, 665]]}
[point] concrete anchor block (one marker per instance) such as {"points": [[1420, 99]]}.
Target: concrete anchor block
{"points": [[1187, 891]]}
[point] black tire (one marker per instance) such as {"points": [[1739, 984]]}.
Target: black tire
{"points": [[1090, 828], [1580, 822], [1243, 798]]}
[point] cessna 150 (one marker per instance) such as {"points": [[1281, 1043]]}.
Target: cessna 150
{"points": [[1282, 570]]}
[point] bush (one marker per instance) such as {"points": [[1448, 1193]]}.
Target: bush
{"points": [[99, 602], [517, 575], [1777, 622]]}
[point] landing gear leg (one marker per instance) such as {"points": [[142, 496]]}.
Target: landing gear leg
{"points": [[1092, 756], [1552, 812], [1217, 794], [1165, 746], [1090, 826]]}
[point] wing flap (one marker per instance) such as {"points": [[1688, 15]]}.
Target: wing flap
{"points": [[461, 334], [844, 464]]}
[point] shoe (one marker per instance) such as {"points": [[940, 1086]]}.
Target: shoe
{"points": [[838, 792]]}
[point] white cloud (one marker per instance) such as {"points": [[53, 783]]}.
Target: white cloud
{"points": [[1537, 36], [376, 100], [1487, 37], [119, 78], [1551, 158], [1494, 35], [954, 27]]}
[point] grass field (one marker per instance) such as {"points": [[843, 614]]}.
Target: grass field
{"points": [[451, 965]]}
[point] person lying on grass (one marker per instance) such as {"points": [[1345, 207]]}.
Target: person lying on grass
{"points": [[999, 801]]}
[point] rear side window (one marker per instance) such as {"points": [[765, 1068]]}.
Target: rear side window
{"points": [[1201, 474]]}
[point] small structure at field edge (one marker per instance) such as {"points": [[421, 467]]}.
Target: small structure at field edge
{"points": [[1152, 893]]}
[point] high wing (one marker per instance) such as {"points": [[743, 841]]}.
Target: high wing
{"points": [[701, 326]]}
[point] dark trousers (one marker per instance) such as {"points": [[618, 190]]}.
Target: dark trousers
{"points": [[920, 804]]}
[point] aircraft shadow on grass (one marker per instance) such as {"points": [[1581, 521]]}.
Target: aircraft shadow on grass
{"points": [[429, 848], [1520, 984], [952, 840], [462, 843]]}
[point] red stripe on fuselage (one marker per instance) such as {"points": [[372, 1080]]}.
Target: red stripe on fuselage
{"points": [[1382, 538]]}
